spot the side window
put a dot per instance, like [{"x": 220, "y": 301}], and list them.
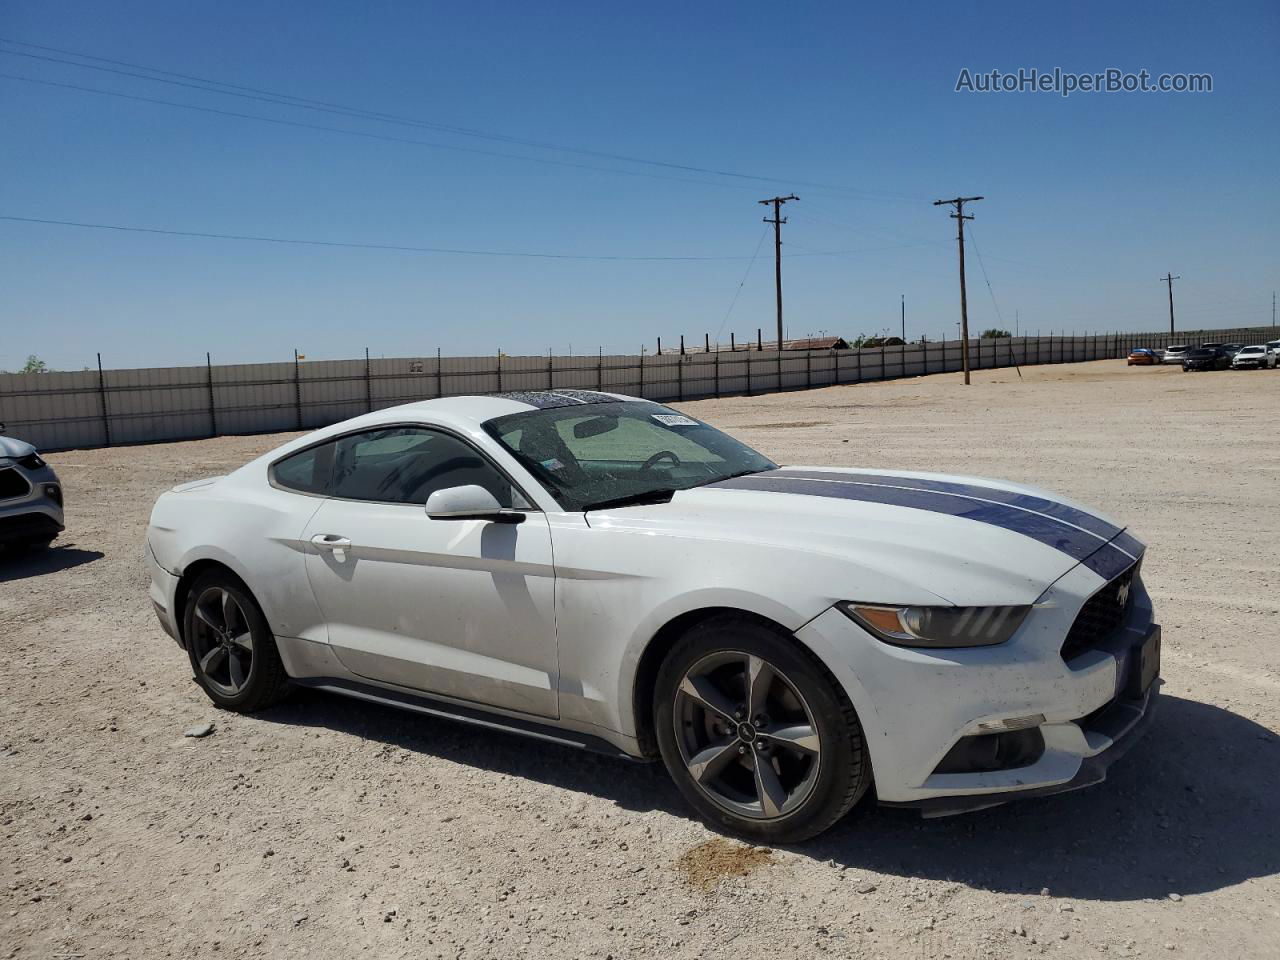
[
  {"x": 307, "y": 471},
  {"x": 408, "y": 464}
]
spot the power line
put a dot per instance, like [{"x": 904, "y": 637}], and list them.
[
  {"x": 824, "y": 218},
  {"x": 356, "y": 133},
  {"x": 352, "y": 245},
  {"x": 974, "y": 240},
  {"x": 736, "y": 293},
  {"x": 285, "y": 99},
  {"x": 999, "y": 318},
  {"x": 861, "y": 250}
]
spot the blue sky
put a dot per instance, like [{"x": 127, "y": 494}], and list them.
[{"x": 1089, "y": 199}]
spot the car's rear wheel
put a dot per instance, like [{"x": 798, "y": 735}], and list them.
[
  {"x": 232, "y": 650},
  {"x": 757, "y": 735}
]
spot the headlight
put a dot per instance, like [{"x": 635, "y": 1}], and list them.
[{"x": 937, "y": 626}]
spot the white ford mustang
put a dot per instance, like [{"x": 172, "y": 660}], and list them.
[{"x": 606, "y": 572}]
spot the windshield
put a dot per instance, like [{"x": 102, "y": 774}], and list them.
[{"x": 592, "y": 455}]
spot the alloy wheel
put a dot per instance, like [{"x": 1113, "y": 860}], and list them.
[
  {"x": 746, "y": 735},
  {"x": 221, "y": 641}
]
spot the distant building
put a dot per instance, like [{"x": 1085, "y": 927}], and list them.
[{"x": 814, "y": 343}]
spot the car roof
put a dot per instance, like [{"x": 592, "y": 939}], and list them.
[
  {"x": 486, "y": 407},
  {"x": 473, "y": 410},
  {"x": 465, "y": 413}
]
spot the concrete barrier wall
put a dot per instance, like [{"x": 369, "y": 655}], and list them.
[{"x": 96, "y": 408}]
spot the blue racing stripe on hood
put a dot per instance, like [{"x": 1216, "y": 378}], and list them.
[
  {"x": 1109, "y": 562},
  {"x": 1050, "y": 508},
  {"x": 1081, "y": 545}
]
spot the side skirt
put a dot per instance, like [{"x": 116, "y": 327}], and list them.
[{"x": 419, "y": 703}]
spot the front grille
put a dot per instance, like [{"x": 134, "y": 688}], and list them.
[
  {"x": 1100, "y": 616},
  {"x": 13, "y": 484}
]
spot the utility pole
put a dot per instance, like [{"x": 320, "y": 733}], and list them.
[
  {"x": 777, "y": 221},
  {"x": 904, "y": 318},
  {"x": 1169, "y": 278},
  {"x": 959, "y": 217}
]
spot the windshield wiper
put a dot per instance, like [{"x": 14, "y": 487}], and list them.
[{"x": 632, "y": 499}]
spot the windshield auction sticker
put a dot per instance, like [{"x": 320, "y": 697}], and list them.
[{"x": 674, "y": 420}]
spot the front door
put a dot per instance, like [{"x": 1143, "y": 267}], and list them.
[{"x": 459, "y": 608}]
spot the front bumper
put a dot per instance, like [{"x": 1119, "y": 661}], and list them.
[
  {"x": 164, "y": 595},
  {"x": 1133, "y": 717},
  {"x": 37, "y": 514},
  {"x": 915, "y": 705}
]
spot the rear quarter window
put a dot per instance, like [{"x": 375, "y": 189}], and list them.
[{"x": 305, "y": 472}]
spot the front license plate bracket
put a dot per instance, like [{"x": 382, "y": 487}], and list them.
[{"x": 1145, "y": 665}]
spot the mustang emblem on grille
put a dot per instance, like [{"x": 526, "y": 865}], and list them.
[{"x": 1122, "y": 595}]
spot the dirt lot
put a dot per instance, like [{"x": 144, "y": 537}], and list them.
[{"x": 329, "y": 828}]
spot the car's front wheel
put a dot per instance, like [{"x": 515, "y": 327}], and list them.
[
  {"x": 757, "y": 735},
  {"x": 232, "y": 650}
]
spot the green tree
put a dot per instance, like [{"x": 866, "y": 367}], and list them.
[
  {"x": 35, "y": 365},
  {"x": 994, "y": 334}
]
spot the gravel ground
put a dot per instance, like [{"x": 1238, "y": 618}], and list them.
[{"x": 327, "y": 827}]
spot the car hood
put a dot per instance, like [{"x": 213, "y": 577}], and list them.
[
  {"x": 13, "y": 449},
  {"x": 964, "y": 539}
]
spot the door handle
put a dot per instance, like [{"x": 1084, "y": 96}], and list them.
[{"x": 338, "y": 546}]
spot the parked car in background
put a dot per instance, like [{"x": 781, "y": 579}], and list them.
[
  {"x": 1257, "y": 357},
  {"x": 30, "y": 497},
  {"x": 1212, "y": 346},
  {"x": 1274, "y": 347},
  {"x": 1143, "y": 357},
  {"x": 1175, "y": 352},
  {"x": 1206, "y": 358},
  {"x": 602, "y": 571},
  {"x": 1232, "y": 348}
]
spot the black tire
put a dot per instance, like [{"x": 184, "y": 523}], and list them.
[
  {"x": 830, "y": 781},
  {"x": 265, "y": 682}
]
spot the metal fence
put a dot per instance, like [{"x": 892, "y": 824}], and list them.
[{"x": 103, "y": 407}]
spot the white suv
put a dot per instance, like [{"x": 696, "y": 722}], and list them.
[{"x": 1259, "y": 357}]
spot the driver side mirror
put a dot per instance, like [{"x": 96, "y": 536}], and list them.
[{"x": 470, "y": 502}]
